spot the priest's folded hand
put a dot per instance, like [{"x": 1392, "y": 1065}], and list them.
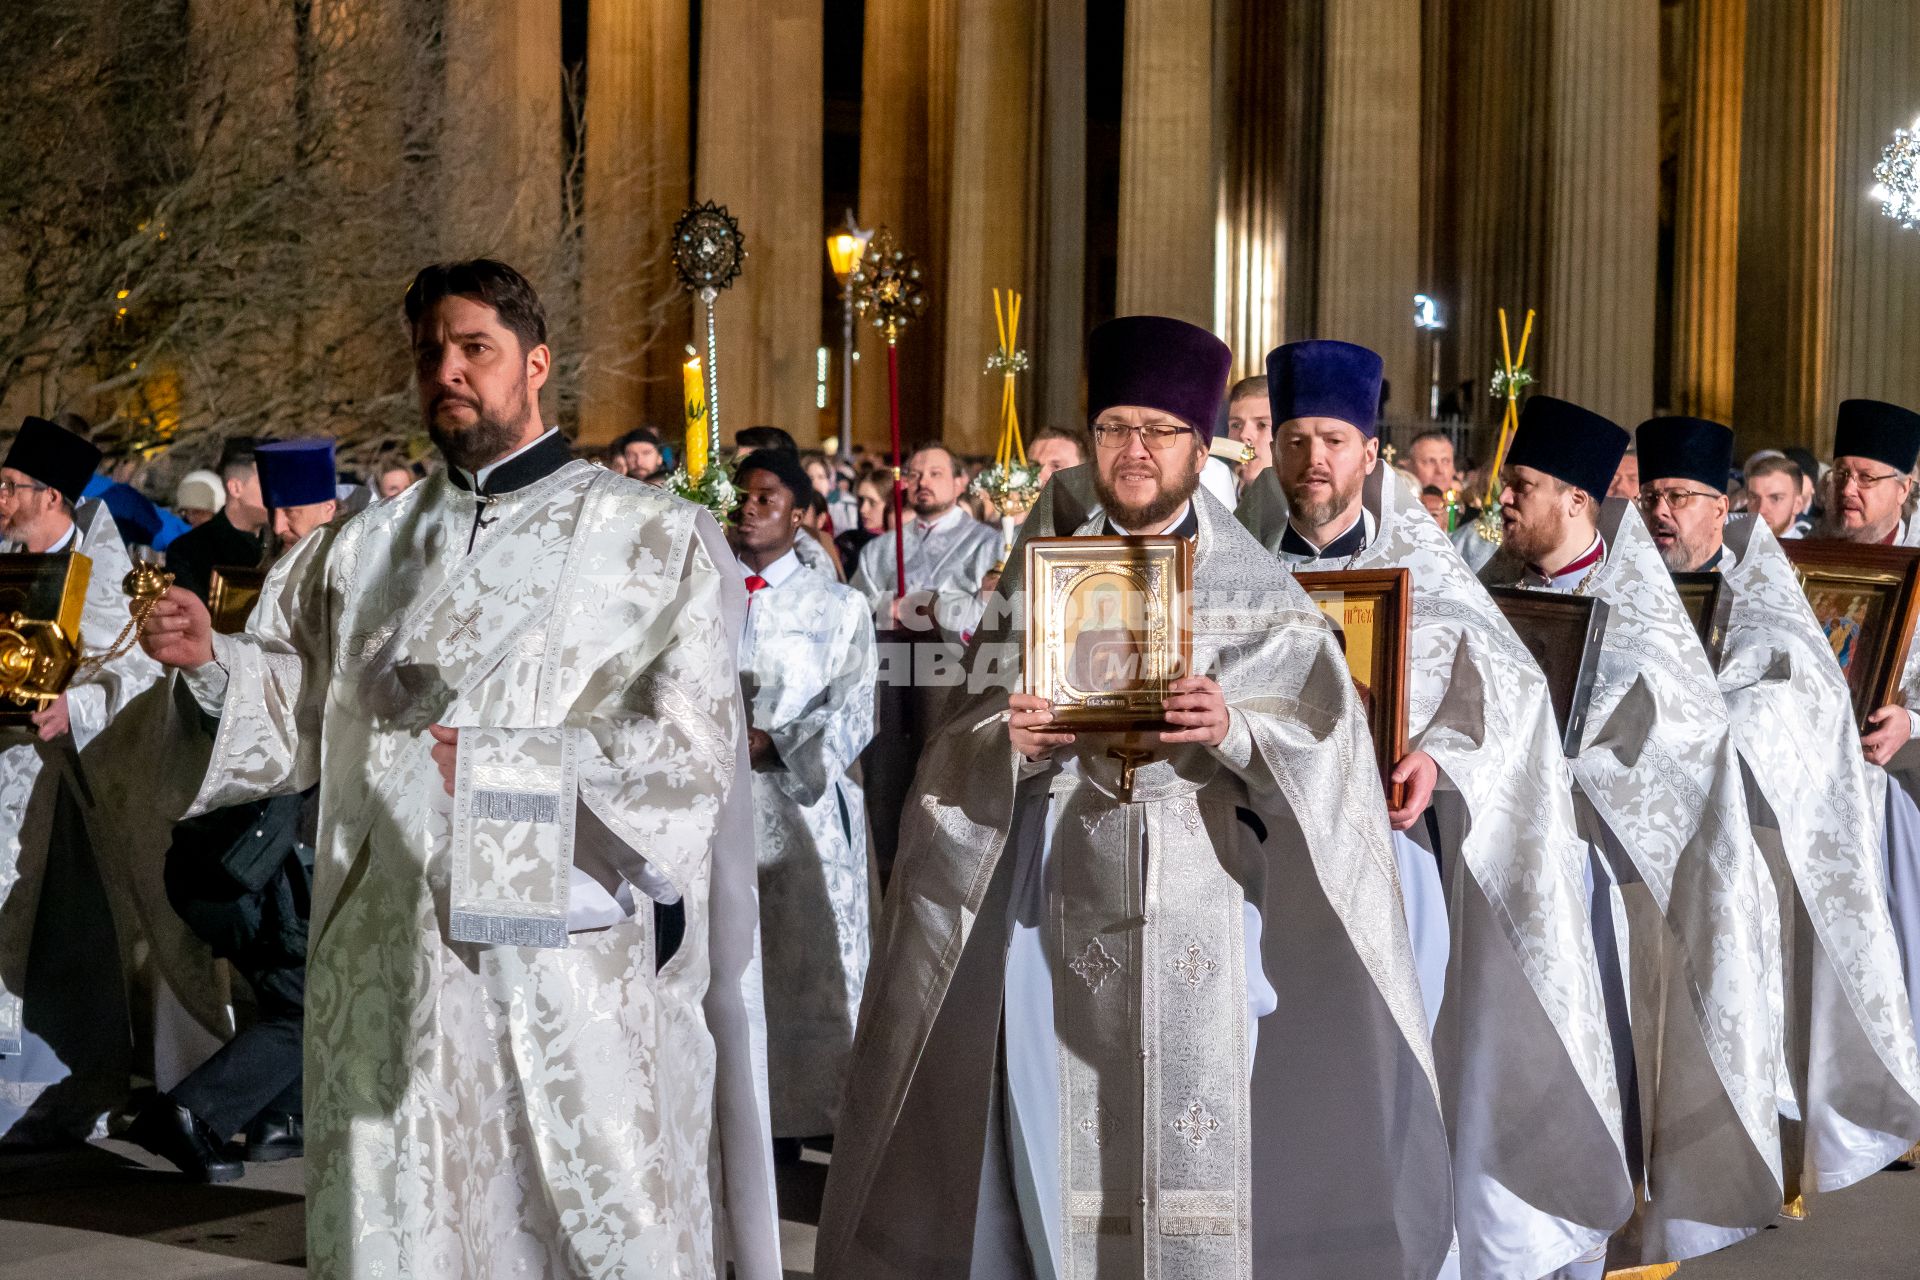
[
  {"x": 1419, "y": 773},
  {"x": 1890, "y": 731},
  {"x": 51, "y": 721},
  {"x": 179, "y": 631},
  {"x": 1027, "y": 716},
  {"x": 1198, "y": 709},
  {"x": 446, "y": 752}
]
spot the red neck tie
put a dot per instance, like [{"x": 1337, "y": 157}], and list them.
[{"x": 755, "y": 582}]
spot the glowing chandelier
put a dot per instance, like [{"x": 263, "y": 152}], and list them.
[{"x": 1897, "y": 177}]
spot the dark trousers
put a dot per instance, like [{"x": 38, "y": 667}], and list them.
[{"x": 259, "y": 1069}]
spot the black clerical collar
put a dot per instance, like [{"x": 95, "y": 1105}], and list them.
[
  {"x": 1350, "y": 543},
  {"x": 1187, "y": 528},
  {"x": 536, "y": 461}
]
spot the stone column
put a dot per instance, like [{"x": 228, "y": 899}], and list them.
[
  {"x": 760, "y": 129},
  {"x": 1707, "y": 217},
  {"x": 1439, "y": 252},
  {"x": 1058, "y": 323},
  {"x": 903, "y": 186},
  {"x": 1168, "y": 193},
  {"x": 501, "y": 143},
  {"x": 988, "y": 225},
  {"x": 1603, "y": 215},
  {"x": 1254, "y": 186},
  {"x": 633, "y": 312},
  {"x": 1786, "y": 221},
  {"x": 1876, "y": 300},
  {"x": 1370, "y": 186},
  {"x": 1500, "y": 185}
]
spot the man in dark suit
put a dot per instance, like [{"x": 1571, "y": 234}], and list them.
[
  {"x": 236, "y": 535},
  {"x": 240, "y": 877}
]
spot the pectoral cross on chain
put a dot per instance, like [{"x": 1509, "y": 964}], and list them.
[{"x": 1130, "y": 758}]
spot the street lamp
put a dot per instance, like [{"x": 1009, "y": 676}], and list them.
[
  {"x": 844, "y": 248},
  {"x": 1426, "y": 317}
]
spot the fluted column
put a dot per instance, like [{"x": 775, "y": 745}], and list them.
[
  {"x": 1439, "y": 251},
  {"x": 1058, "y": 323},
  {"x": 1706, "y": 249},
  {"x": 903, "y": 186},
  {"x": 632, "y": 310},
  {"x": 1786, "y": 220},
  {"x": 1603, "y": 214},
  {"x": 1876, "y": 307},
  {"x": 1500, "y": 188},
  {"x": 1370, "y": 181},
  {"x": 1168, "y": 196},
  {"x": 760, "y": 130},
  {"x": 1253, "y": 186},
  {"x": 988, "y": 225},
  {"x": 501, "y": 143}
]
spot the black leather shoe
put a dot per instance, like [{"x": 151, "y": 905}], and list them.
[
  {"x": 176, "y": 1135},
  {"x": 275, "y": 1135}
]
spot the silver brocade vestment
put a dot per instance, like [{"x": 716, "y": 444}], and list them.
[
  {"x": 1331, "y": 1161},
  {"x": 1701, "y": 962},
  {"x": 1851, "y": 1058},
  {"x": 950, "y": 562},
  {"x": 808, "y": 663},
  {"x": 1521, "y": 1045},
  {"x": 485, "y": 1110},
  {"x": 103, "y": 766}
]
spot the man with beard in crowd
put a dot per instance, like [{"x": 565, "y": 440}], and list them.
[
  {"x": 1875, "y": 445},
  {"x": 1061, "y": 1068},
  {"x": 1683, "y": 917},
  {"x": 1489, "y": 853},
  {"x": 519, "y": 1067},
  {"x": 949, "y": 553},
  {"x": 1851, "y": 1096},
  {"x": 948, "y": 557}
]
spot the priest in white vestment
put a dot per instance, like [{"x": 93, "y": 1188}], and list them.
[
  {"x": 948, "y": 552},
  {"x": 1852, "y": 1096},
  {"x": 807, "y": 667},
  {"x": 1490, "y": 855},
  {"x": 1875, "y": 447},
  {"x": 71, "y": 924},
  {"x": 1684, "y": 917},
  {"x": 515, "y": 685},
  {"x": 1151, "y": 1013}
]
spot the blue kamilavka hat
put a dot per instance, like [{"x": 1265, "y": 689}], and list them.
[
  {"x": 1325, "y": 379},
  {"x": 295, "y": 473}
]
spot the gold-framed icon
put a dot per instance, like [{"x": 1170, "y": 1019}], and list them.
[
  {"x": 1865, "y": 598},
  {"x": 1371, "y": 610},
  {"x": 1109, "y": 628}
]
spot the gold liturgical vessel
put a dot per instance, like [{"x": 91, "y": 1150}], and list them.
[{"x": 41, "y": 600}]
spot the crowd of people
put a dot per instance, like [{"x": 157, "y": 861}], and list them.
[{"x": 545, "y": 859}]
